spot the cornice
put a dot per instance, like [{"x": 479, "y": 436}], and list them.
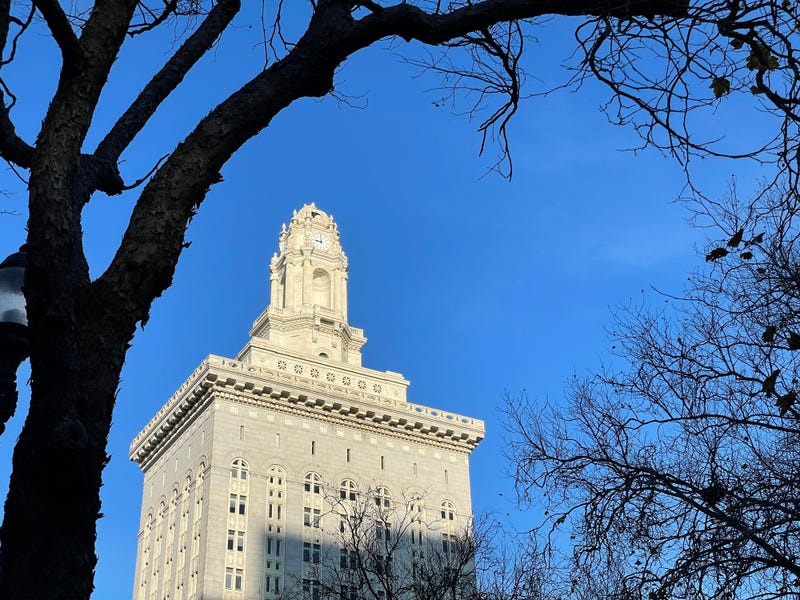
[
  {"x": 286, "y": 322},
  {"x": 241, "y": 382}
]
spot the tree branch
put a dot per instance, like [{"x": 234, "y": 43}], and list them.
[
  {"x": 61, "y": 28},
  {"x": 413, "y": 23},
  {"x": 12, "y": 147},
  {"x": 166, "y": 80},
  {"x": 145, "y": 262}
]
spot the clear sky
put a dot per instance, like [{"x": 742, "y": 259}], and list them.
[{"x": 468, "y": 285}]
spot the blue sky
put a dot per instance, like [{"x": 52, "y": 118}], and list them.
[{"x": 469, "y": 285}]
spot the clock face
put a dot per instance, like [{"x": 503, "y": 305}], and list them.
[{"x": 320, "y": 241}]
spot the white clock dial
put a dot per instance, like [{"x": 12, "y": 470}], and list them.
[{"x": 320, "y": 241}]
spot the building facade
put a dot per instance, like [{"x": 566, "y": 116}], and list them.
[{"x": 291, "y": 470}]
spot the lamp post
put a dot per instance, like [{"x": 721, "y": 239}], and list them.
[{"x": 13, "y": 331}]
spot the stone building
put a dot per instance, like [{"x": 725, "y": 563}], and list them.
[{"x": 252, "y": 466}]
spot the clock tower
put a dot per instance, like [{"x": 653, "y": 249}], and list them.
[
  {"x": 255, "y": 469},
  {"x": 308, "y": 297}
]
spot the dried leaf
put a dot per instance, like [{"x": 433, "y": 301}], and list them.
[{"x": 716, "y": 254}]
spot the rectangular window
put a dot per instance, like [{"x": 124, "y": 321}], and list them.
[
  {"x": 414, "y": 468},
  {"x": 383, "y": 565},
  {"x": 311, "y": 552},
  {"x": 351, "y": 527},
  {"x": 382, "y": 532},
  {"x": 229, "y": 578},
  {"x": 348, "y": 592},
  {"x": 231, "y": 535},
  {"x": 240, "y": 541},
  {"x": 241, "y": 432},
  {"x": 237, "y": 502},
  {"x": 273, "y": 546},
  {"x": 446, "y": 478},
  {"x": 238, "y": 579},
  {"x": 310, "y": 589},
  {"x": 311, "y": 517},
  {"x": 348, "y": 559},
  {"x": 347, "y": 455},
  {"x": 277, "y": 440},
  {"x": 448, "y": 544},
  {"x": 383, "y": 463},
  {"x": 272, "y": 584},
  {"x": 313, "y": 447}
]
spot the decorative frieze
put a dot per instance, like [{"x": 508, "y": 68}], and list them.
[{"x": 286, "y": 388}]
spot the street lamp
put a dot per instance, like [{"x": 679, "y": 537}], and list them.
[{"x": 13, "y": 331}]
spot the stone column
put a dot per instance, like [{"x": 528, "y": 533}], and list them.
[
  {"x": 289, "y": 284},
  {"x": 343, "y": 287},
  {"x": 308, "y": 296},
  {"x": 273, "y": 290}
]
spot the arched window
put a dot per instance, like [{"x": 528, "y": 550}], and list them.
[
  {"x": 276, "y": 492},
  {"x": 416, "y": 509},
  {"x": 276, "y": 475},
  {"x": 201, "y": 474},
  {"x": 187, "y": 487},
  {"x": 239, "y": 469},
  {"x": 348, "y": 490},
  {"x": 312, "y": 483},
  {"x": 383, "y": 498},
  {"x": 448, "y": 511},
  {"x": 173, "y": 511}
]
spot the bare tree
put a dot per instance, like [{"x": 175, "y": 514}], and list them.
[
  {"x": 664, "y": 60},
  {"x": 378, "y": 547},
  {"x": 680, "y": 475}
]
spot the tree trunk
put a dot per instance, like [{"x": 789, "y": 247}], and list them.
[
  {"x": 53, "y": 503},
  {"x": 78, "y": 345}
]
